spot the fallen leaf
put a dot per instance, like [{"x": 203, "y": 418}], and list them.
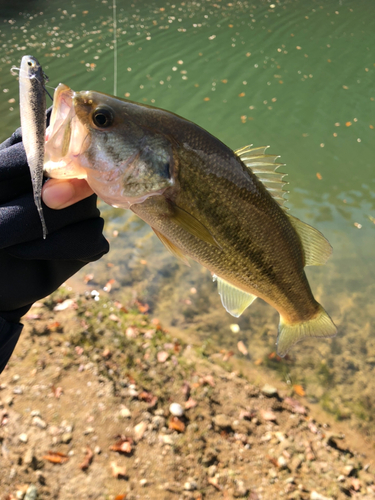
[
  {"x": 117, "y": 471},
  {"x": 124, "y": 445},
  {"x": 298, "y": 389},
  {"x": 120, "y": 497},
  {"x": 176, "y": 424},
  {"x": 57, "y": 391},
  {"x": 87, "y": 460},
  {"x": 214, "y": 481},
  {"x": 108, "y": 285},
  {"x": 148, "y": 397},
  {"x": 64, "y": 305},
  {"x": 142, "y": 308},
  {"x": 348, "y": 124},
  {"x": 296, "y": 407},
  {"x": 319, "y": 176},
  {"x": 190, "y": 403},
  {"x": 242, "y": 348},
  {"x": 55, "y": 457},
  {"x": 88, "y": 277}
]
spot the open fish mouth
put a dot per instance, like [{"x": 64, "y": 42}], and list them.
[{"x": 64, "y": 137}]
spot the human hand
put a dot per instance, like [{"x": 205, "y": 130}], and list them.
[
  {"x": 58, "y": 194},
  {"x": 30, "y": 267}
]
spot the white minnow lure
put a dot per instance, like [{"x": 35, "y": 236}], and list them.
[{"x": 33, "y": 123}]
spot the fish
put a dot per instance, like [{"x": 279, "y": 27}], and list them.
[
  {"x": 33, "y": 123},
  {"x": 222, "y": 208}
]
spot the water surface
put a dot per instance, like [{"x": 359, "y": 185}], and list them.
[{"x": 295, "y": 75}]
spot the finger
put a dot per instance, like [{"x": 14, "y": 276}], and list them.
[{"x": 58, "y": 194}]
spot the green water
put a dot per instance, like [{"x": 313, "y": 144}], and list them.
[{"x": 295, "y": 75}]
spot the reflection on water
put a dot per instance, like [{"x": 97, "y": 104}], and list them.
[{"x": 297, "y": 75}]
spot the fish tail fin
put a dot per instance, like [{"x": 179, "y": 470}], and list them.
[{"x": 321, "y": 325}]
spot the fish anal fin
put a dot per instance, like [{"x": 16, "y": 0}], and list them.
[
  {"x": 321, "y": 325},
  {"x": 264, "y": 166},
  {"x": 315, "y": 246},
  {"x": 192, "y": 225},
  {"x": 234, "y": 300},
  {"x": 172, "y": 247}
]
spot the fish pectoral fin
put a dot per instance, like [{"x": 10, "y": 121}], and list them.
[
  {"x": 315, "y": 246},
  {"x": 234, "y": 300},
  {"x": 321, "y": 325},
  {"x": 192, "y": 225},
  {"x": 264, "y": 166},
  {"x": 172, "y": 247}
]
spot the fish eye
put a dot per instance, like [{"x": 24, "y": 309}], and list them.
[
  {"x": 102, "y": 117},
  {"x": 31, "y": 63}
]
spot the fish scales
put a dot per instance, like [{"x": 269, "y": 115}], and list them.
[{"x": 202, "y": 200}]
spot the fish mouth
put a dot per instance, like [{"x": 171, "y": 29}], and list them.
[{"x": 66, "y": 137}]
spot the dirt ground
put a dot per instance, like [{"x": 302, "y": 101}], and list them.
[{"x": 85, "y": 413}]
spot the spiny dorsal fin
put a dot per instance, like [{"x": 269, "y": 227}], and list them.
[
  {"x": 264, "y": 167},
  {"x": 172, "y": 247},
  {"x": 193, "y": 225},
  {"x": 234, "y": 300},
  {"x": 315, "y": 246}
]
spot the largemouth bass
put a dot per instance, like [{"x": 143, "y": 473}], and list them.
[
  {"x": 204, "y": 201},
  {"x": 33, "y": 123}
]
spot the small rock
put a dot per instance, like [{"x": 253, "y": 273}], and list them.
[
  {"x": 240, "y": 489},
  {"x": 31, "y": 493},
  {"x": 23, "y": 438},
  {"x": 190, "y": 486},
  {"x": 157, "y": 422},
  {"x": 20, "y": 494},
  {"x": 88, "y": 430},
  {"x": 269, "y": 391},
  {"x": 66, "y": 437},
  {"x": 282, "y": 463},
  {"x": 222, "y": 421},
  {"x": 168, "y": 439},
  {"x": 139, "y": 430},
  {"x": 143, "y": 482},
  {"x": 176, "y": 410},
  {"x": 9, "y": 400},
  {"x": 314, "y": 495},
  {"x": 348, "y": 470},
  {"x": 97, "y": 450},
  {"x": 125, "y": 413},
  {"x": 38, "y": 422},
  {"x": 18, "y": 390}
]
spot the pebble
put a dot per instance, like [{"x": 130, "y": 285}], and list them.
[
  {"x": 269, "y": 391},
  {"x": 317, "y": 496},
  {"x": 125, "y": 413},
  {"x": 240, "y": 490},
  {"x": 66, "y": 437},
  {"x": 38, "y": 422},
  {"x": 176, "y": 410},
  {"x": 31, "y": 493},
  {"x": 143, "y": 482},
  {"x": 139, "y": 430},
  {"x": 190, "y": 485},
  {"x": 222, "y": 421},
  {"x": 18, "y": 390},
  {"x": 23, "y": 438}
]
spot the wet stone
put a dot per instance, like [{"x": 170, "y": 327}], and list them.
[{"x": 269, "y": 391}]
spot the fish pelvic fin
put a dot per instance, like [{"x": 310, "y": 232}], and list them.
[
  {"x": 234, "y": 300},
  {"x": 172, "y": 247},
  {"x": 315, "y": 246},
  {"x": 264, "y": 166},
  {"x": 321, "y": 325}
]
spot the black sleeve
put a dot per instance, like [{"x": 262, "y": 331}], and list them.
[{"x": 9, "y": 335}]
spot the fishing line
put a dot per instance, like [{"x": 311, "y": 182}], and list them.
[
  {"x": 115, "y": 49},
  {"x": 14, "y": 70}
]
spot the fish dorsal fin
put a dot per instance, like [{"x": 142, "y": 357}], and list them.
[
  {"x": 192, "y": 225},
  {"x": 264, "y": 167},
  {"x": 234, "y": 300},
  {"x": 315, "y": 246},
  {"x": 172, "y": 247}
]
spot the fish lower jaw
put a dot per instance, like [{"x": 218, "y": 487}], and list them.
[{"x": 62, "y": 170}]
